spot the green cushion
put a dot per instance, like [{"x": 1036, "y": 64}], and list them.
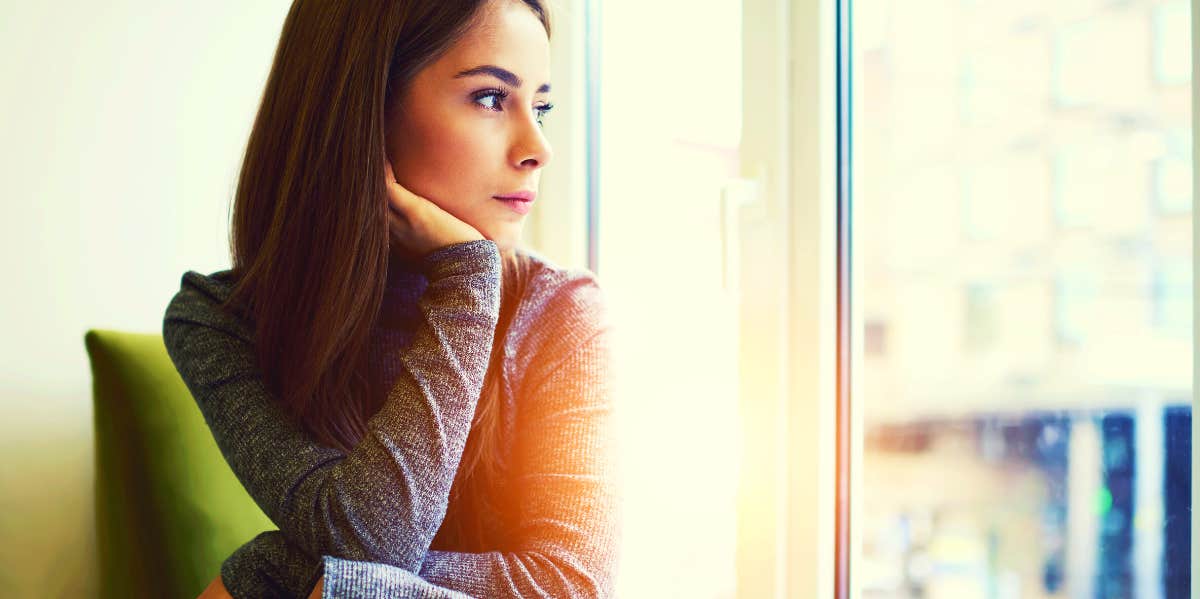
[{"x": 168, "y": 508}]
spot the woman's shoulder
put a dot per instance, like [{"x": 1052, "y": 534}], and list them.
[
  {"x": 568, "y": 296},
  {"x": 561, "y": 309},
  {"x": 200, "y": 299},
  {"x": 216, "y": 285}
]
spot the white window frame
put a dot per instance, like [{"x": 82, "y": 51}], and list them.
[
  {"x": 786, "y": 501},
  {"x": 786, "y": 260},
  {"x": 1195, "y": 281},
  {"x": 558, "y": 229},
  {"x": 789, "y": 475},
  {"x": 788, "y": 293},
  {"x": 798, "y": 40}
]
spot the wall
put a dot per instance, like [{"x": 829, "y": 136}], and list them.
[{"x": 122, "y": 125}]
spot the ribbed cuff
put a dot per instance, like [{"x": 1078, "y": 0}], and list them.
[
  {"x": 348, "y": 579},
  {"x": 479, "y": 255},
  {"x": 268, "y": 566}
]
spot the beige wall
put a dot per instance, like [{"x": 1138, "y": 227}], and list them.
[{"x": 122, "y": 123}]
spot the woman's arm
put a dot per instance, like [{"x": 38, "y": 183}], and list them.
[
  {"x": 567, "y": 525},
  {"x": 567, "y": 529},
  {"x": 385, "y": 500}
]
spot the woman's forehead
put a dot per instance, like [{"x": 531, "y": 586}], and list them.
[{"x": 509, "y": 37}]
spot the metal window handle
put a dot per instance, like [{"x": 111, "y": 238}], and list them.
[{"x": 735, "y": 193}]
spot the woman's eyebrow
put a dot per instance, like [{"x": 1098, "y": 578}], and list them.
[{"x": 504, "y": 75}]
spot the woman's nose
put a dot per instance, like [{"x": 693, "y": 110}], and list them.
[{"x": 532, "y": 149}]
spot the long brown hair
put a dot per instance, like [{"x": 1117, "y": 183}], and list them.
[{"x": 309, "y": 236}]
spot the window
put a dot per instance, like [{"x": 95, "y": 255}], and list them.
[
  {"x": 1172, "y": 53},
  {"x": 1172, "y": 295},
  {"x": 1173, "y": 174},
  {"x": 1026, "y": 428},
  {"x": 1074, "y": 49},
  {"x": 1074, "y": 305},
  {"x": 981, "y": 317}
]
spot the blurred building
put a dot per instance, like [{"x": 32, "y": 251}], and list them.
[{"x": 1023, "y": 233}]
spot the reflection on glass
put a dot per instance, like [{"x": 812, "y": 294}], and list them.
[{"x": 1023, "y": 233}]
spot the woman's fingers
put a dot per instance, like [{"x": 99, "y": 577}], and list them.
[
  {"x": 419, "y": 223},
  {"x": 397, "y": 194}
]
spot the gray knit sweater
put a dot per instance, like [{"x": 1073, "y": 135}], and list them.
[{"x": 368, "y": 520}]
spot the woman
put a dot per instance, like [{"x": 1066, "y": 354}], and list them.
[{"x": 421, "y": 407}]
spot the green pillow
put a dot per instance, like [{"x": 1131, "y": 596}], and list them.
[{"x": 168, "y": 508}]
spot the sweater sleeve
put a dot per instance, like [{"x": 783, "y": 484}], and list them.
[
  {"x": 567, "y": 529},
  {"x": 385, "y": 500}
]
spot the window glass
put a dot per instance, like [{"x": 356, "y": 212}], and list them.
[{"x": 1022, "y": 234}]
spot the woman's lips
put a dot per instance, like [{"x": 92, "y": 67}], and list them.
[
  {"x": 516, "y": 204},
  {"x": 520, "y": 194}
]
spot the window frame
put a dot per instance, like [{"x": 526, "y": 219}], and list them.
[
  {"x": 789, "y": 543},
  {"x": 822, "y": 344},
  {"x": 563, "y": 228},
  {"x": 1195, "y": 592},
  {"x": 789, "y": 504}
]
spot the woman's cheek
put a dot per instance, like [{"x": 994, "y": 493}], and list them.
[{"x": 469, "y": 163}]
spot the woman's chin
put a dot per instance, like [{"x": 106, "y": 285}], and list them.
[{"x": 506, "y": 237}]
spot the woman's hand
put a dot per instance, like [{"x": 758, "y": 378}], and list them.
[
  {"x": 419, "y": 225},
  {"x": 216, "y": 590}
]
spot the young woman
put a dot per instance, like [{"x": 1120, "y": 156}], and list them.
[{"x": 422, "y": 407}]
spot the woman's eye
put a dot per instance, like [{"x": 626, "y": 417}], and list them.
[
  {"x": 542, "y": 111},
  {"x": 495, "y": 96},
  {"x": 492, "y": 100}
]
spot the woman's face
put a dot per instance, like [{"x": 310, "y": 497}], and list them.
[{"x": 460, "y": 143}]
